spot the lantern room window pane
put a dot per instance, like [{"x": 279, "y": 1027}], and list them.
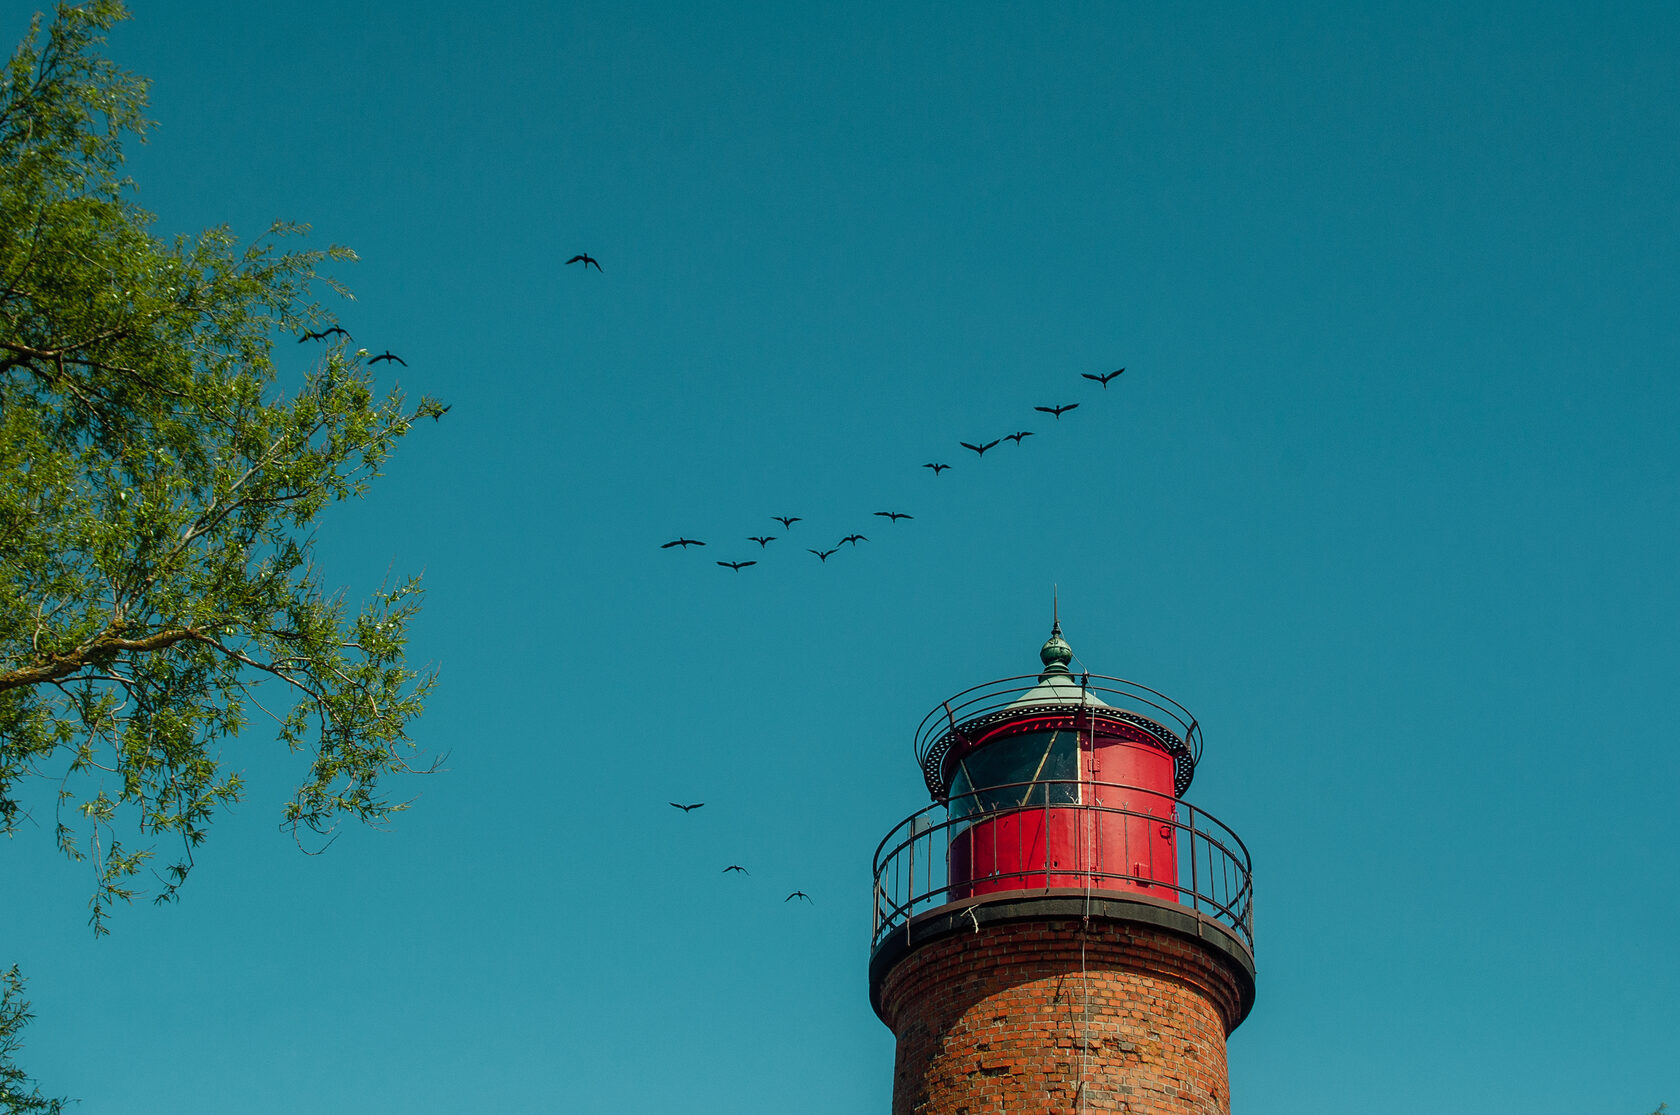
[{"x": 990, "y": 779}]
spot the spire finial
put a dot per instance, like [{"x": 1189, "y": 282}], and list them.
[{"x": 1055, "y": 653}]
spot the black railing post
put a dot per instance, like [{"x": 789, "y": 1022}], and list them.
[{"x": 1195, "y": 888}]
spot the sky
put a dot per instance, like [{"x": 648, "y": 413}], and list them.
[{"x": 1386, "y": 496}]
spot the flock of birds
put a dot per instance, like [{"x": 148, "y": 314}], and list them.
[
  {"x": 736, "y": 868},
  {"x": 339, "y": 330},
  {"x": 978, "y": 448}
]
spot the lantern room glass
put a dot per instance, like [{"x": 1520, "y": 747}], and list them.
[{"x": 1016, "y": 771}]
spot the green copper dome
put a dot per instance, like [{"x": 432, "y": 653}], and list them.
[
  {"x": 1056, "y": 685},
  {"x": 1055, "y": 653}
]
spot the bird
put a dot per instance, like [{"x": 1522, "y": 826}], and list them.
[
  {"x": 311, "y": 335},
  {"x": 736, "y": 867},
  {"x": 895, "y": 516},
  {"x": 854, "y": 539},
  {"x": 737, "y": 565},
  {"x": 937, "y": 468},
  {"x": 586, "y": 259},
  {"x": 687, "y": 808},
  {"x": 685, "y": 543},
  {"x": 1058, "y": 411},
  {"x": 798, "y": 894},
  {"x": 824, "y": 554},
  {"x": 763, "y": 540},
  {"x": 1103, "y": 379},
  {"x": 1017, "y": 436},
  {"x": 437, "y": 415},
  {"x": 980, "y": 449},
  {"x": 787, "y": 522},
  {"x": 388, "y": 355}
]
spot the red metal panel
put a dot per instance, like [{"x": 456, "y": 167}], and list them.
[{"x": 1137, "y": 777}]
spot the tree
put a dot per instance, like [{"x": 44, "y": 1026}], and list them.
[
  {"x": 158, "y": 492},
  {"x": 18, "y": 1094}
]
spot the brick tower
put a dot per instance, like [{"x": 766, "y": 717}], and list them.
[{"x": 1060, "y": 931}]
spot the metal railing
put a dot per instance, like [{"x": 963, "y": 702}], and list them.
[
  {"x": 1088, "y": 698},
  {"x": 1154, "y": 845}
]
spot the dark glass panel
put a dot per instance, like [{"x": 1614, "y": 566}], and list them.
[{"x": 986, "y": 779}]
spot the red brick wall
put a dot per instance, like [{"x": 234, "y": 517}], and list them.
[{"x": 999, "y": 1021}]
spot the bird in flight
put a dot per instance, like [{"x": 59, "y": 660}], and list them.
[
  {"x": 763, "y": 540},
  {"x": 980, "y": 449},
  {"x": 388, "y": 355},
  {"x": 687, "y": 808},
  {"x": 1104, "y": 378},
  {"x": 1058, "y": 411},
  {"x": 586, "y": 259},
  {"x": 311, "y": 335},
  {"x": 854, "y": 539},
  {"x": 737, "y": 565},
  {"x": 824, "y": 555},
  {"x": 1017, "y": 436},
  {"x": 736, "y": 867},
  {"x": 895, "y": 516},
  {"x": 798, "y": 894},
  {"x": 685, "y": 543},
  {"x": 787, "y": 522},
  {"x": 937, "y": 468}
]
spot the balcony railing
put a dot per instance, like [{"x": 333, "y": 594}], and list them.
[
  {"x": 1088, "y": 699},
  {"x": 971, "y": 850}
]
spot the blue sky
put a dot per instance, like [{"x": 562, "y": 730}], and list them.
[{"x": 1387, "y": 496}]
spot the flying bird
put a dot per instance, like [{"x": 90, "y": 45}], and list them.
[
  {"x": 798, "y": 894},
  {"x": 586, "y": 259},
  {"x": 980, "y": 449},
  {"x": 937, "y": 468},
  {"x": 895, "y": 516},
  {"x": 787, "y": 522},
  {"x": 1017, "y": 436},
  {"x": 763, "y": 540},
  {"x": 736, "y": 867},
  {"x": 1103, "y": 379},
  {"x": 687, "y": 808},
  {"x": 388, "y": 355},
  {"x": 1058, "y": 411},
  {"x": 824, "y": 555},
  {"x": 311, "y": 335},
  {"x": 854, "y": 539},
  {"x": 737, "y": 565},
  {"x": 685, "y": 543}
]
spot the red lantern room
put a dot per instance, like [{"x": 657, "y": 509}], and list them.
[
  {"x": 1058, "y": 844},
  {"x": 1056, "y": 787}
]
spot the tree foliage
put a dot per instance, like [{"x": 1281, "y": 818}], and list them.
[
  {"x": 18, "y": 1094},
  {"x": 158, "y": 491}
]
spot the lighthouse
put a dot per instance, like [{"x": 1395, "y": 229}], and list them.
[{"x": 1060, "y": 930}]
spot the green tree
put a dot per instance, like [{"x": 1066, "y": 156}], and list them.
[
  {"x": 158, "y": 493},
  {"x": 18, "y": 1094}
]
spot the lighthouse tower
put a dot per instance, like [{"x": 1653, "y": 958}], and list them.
[{"x": 1060, "y": 931}]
